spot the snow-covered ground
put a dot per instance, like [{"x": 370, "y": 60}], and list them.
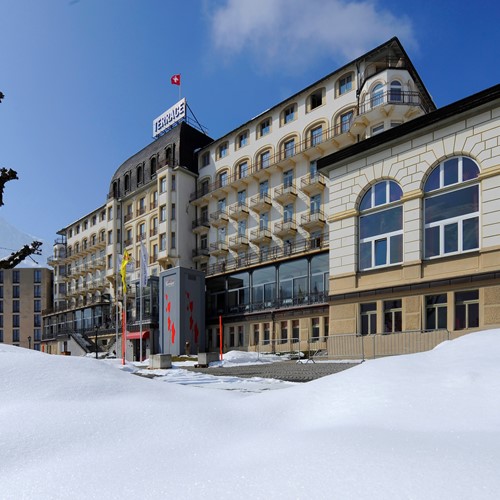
[{"x": 422, "y": 426}]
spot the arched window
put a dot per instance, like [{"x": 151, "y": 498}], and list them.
[
  {"x": 381, "y": 226},
  {"x": 377, "y": 95},
  {"x": 168, "y": 156},
  {"x": 395, "y": 92},
  {"x": 152, "y": 165},
  {"x": 451, "y": 208},
  {"x": 127, "y": 182},
  {"x": 223, "y": 179},
  {"x": 139, "y": 174}
]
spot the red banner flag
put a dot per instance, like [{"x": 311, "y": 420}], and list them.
[{"x": 175, "y": 80}]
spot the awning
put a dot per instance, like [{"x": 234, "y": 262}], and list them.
[{"x": 137, "y": 335}]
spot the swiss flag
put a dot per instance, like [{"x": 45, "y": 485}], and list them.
[{"x": 175, "y": 80}]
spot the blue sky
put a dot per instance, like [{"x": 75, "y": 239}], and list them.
[{"x": 84, "y": 79}]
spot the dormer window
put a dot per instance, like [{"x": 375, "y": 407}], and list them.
[
  {"x": 345, "y": 84},
  {"x": 264, "y": 127},
  {"x": 242, "y": 139},
  {"x": 222, "y": 150},
  {"x": 316, "y": 99},
  {"x": 289, "y": 114},
  {"x": 205, "y": 159}
]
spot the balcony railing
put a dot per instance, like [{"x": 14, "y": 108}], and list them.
[
  {"x": 269, "y": 254},
  {"x": 200, "y": 222},
  {"x": 392, "y": 96}
]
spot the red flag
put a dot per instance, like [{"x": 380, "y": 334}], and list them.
[{"x": 175, "y": 80}]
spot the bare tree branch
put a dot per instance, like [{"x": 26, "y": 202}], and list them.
[{"x": 16, "y": 258}]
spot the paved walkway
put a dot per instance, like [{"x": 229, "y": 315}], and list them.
[{"x": 290, "y": 371}]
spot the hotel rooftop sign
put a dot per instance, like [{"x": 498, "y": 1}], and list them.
[{"x": 169, "y": 118}]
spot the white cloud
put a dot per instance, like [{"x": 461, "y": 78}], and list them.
[{"x": 291, "y": 32}]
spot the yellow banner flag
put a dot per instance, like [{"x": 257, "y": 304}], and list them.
[{"x": 123, "y": 270}]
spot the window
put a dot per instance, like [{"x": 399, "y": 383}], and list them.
[
  {"x": 15, "y": 335},
  {"x": 395, "y": 94},
  {"x": 127, "y": 182},
  {"x": 267, "y": 333},
  {"x": 172, "y": 240},
  {"x": 436, "y": 312},
  {"x": 37, "y": 276},
  {"x": 381, "y": 226},
  {"x": 264, "y": 221},
  {"x": 37, "y": 320},
  {"x": 110, "y": 237},
  {"x": 174, "y": 183},
  {"x": 163, "y": 213},
  {"x": 242, "y": 227},
  {"x": 288, "y": 213},
  {"x": 316, "y": 99},
  {"x": 295, "y": 330},
  {"x": 15, "y": 306},
  {"x": 263, "y": 188},
  {"x": 288, "y": 178},
  {"x": 163, "y": 184},
  {"x": 315, "y": 204},
  {"x": 223, "y": 179},
  {"x": 203, "y": 241},
  {"x": 1, "y": 335},
  {"x": 289, "y": 148},
  {"x": 265, "y": 159},
  {"x": 139, "y": 173},
  {"x": 243, "y": 170},
  {"x": 205, "y": 159},
  {"x": 172, "y": 212},
  {"x": 163, "y": 242},
  {"x": 264, "y": 127},
  {"x": 345, "y": 84},
  {"x": 466, "y": 309},
  {"x": 376, "y": 129},
  {"x": 15, "y": 321},
  {"x": 128, "y": 238},
  {"x": 393, "y": 316},
  {"x": 316, "y": 136},
  {"x": 15, "y": 291},
  {"x": 451, "y": 208},
  {"x": 289, "y": 114},
  {"x": 37, "y": 334},
  {"x": 242, "y": 139},
  {"x": 345, "y": 122},
  {"x": 242, "y": 197},
  {"x": 222, "y": 150},
  {"x": 284, "y": 332},
  {"x": 377, "y": 95},
  {"x": 368, "y": 318},
  {"x": 152, "y": 165},
  {"x": 315, "y": 329},
  {"x": 256, "y": 334},
  {"x": 241, "y": 333},
  {"x": 293, "y": 282},
  {"x": 15, "y": 276}
]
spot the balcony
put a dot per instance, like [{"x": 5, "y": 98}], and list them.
[
  {"x": 260, "y": 236},
  {"x": 201, "y": 255},
  {"x": 384, "y": 104},
  {"x": 128, "y": 217},
  {"x": 153, "y": 259},
  {"x": 153, "y": 231},
  {"x": 260, "y": 202},
  {"x": 141, "y": 211},
  {"x": 238, "y": 211},
  {"x": 219, "y": 218},
  {"x": 140, "y": 237},
  {"x": 285, "y": 194},
  {"x": 313, "y": 183},
  {"x": 201, "y": 224},
  {"x": 238, "y": 242},
  {"x": 128, "y": 242},
  {"x": 313, "y": 221},
  {"x": 285, "y": 228},
  {"x": 218, "y": 248}
]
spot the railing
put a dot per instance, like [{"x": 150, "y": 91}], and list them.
[
  {"x": 200, "y": 221},
  {"x": 392, "y": 96},
  {"x": 269, "y": 254},
  {"x": 357, "y": 346}
]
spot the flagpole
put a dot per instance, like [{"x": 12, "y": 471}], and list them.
[{"x": 140, "y": 307}]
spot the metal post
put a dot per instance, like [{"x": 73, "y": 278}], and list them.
[{"x": 96, "y": 332}]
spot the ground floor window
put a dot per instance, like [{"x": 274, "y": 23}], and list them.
[
  {"x": 255, "y": 334},
  {"x": 436, "y": 312},
  {"x": 231, "y": 336},
  {"x": 241, "y": 335},
  {"x": 466, "y": 309},
  {"x": 393, "y": 316},
  {"x": 267, "y": 333},
  {"x": 284, "y": 331},
  {"x": 368, "y": 318},
  {"x": 315, "y": 329},
  {"x": 295, "y": 330}
]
